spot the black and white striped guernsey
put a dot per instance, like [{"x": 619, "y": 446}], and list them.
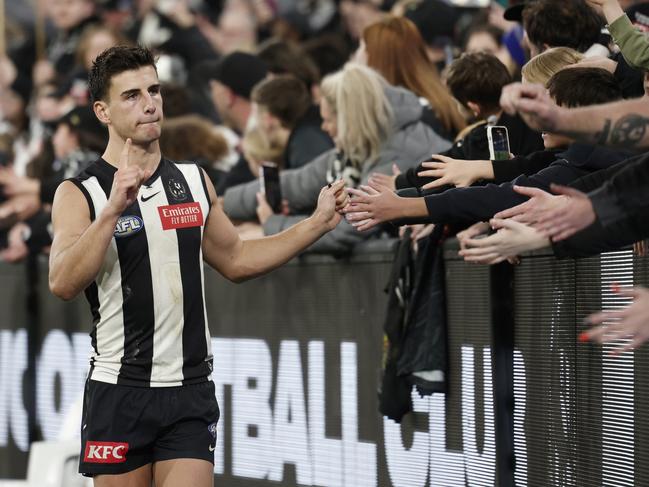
[{"x": 148, "y": 300}]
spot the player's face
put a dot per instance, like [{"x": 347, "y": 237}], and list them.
[{"x": 134, "y": 105}]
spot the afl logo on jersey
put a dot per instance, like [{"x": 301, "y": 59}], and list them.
[{"x": 128, "y": 225}]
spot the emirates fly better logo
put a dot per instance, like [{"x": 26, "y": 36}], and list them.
[
  {"x": 105, "y": 452},
  {"x": 185, "y": 215}
]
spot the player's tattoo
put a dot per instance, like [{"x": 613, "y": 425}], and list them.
[{"x": 629, "y": 130}]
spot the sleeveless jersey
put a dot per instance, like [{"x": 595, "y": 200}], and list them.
[{"x": 148, "y": 300}]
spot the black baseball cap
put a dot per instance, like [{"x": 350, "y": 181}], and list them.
[
  {"x": 435, "y": 19},
  {"x": 514, "y": 12},
  {"x": 239, "y": 71}
]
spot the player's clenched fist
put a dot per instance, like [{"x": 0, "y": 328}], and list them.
[{"x": 126, "y": 183}]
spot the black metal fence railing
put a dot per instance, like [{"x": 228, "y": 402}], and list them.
[{"x": 297, "y": 364}]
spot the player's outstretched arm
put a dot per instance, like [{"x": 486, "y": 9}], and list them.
[
  {"x": 79, "y": 245},
  {"x": 239, "y": 260}
]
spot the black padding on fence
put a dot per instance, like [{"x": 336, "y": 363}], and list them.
[{"x": 298, "y": 361}]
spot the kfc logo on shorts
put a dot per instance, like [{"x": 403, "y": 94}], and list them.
[
  {"x": 105, "y": 452},
  {"x": 185, "y": 215}
]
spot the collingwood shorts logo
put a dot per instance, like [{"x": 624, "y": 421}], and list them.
[
  {"x": 128, "y": 225},
  {"x": 105, "y": 452},
  {"x": 212, "y": 429}
]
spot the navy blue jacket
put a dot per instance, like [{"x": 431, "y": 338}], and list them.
[{"x": 479, "y": 203}]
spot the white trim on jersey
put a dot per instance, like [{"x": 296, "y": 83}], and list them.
[
  {"x": 193, "y": 176},
  {"x": 110, "y": 329},
  {"x": 167, "y": 288}
]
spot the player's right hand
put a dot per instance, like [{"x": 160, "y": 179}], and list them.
[
  {"x": 331, "y": 200},
  {"x": 126, "y": 182}
]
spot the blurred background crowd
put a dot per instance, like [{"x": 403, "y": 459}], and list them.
[{"x": 363, "y": 90}]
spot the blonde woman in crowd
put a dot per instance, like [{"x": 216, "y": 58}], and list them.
[{"x": 374, "y": 126}]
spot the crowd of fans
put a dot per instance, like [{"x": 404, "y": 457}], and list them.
[{"x": 393, "y": 97}]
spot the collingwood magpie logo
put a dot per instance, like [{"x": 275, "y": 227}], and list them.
[
  {"x": 177, "y": 190},
  {"x": 128, "y": 225},
  {"x": 212, "y": 429}
]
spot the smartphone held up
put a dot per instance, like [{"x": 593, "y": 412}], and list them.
[
  {"x": 270, "y": 185},
  {"x": 498, "y": 143}
]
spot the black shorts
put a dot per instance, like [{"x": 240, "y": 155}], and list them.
[{"x": 126, "y": 427}]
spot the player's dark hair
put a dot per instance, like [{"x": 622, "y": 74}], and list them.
[{"x": 113, "y": 61}]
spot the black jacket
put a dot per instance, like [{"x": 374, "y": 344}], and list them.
[
  {"x": 238, "y": 174},
  {"x": 510, "y": 169},
  {"x": 596, "y": 238},
  {"x": 628, "y": 78},
  {"x": 415, "y": 326},
  {"x": 626, "y": 192},
  {"x": 474, "y": 146},
  {"x": 430, "y": 118},
  {"x": 621, "y": 204},
  {"x": 479, "y": 203},
  {"x": 307, "y": 140}
]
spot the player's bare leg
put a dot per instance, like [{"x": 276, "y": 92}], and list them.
[
  {"x": 183, "y": 472},
  {"x": 140, "y": 477}
]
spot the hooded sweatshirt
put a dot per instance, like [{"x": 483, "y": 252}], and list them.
[{"x": 410, "y": 142}]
